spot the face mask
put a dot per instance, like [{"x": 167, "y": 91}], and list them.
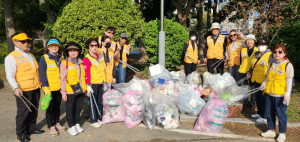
[
  {"x": 107, "y": 45},
  {"x": 193, "y": 38},
  {"x": 262, "y": 48}
]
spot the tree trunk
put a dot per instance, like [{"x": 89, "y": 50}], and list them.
[
  {"x": 215, "y": 11},
  {"x": 208, "y": 24},
  {"x": 50, "y": 19},
  {"x": 183, "y": 15},
  {"x": 142, "y": 6},
  {"x": 200, "y": 27},
  {"x": 9, "y": 23}
]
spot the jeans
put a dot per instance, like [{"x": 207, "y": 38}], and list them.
[
  {"x": 98, "y": 93},
  {"x": 275, "y": 106},
  {"x": 121, "y": 73}
]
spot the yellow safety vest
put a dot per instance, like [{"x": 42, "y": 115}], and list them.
[
  {"x": 27, "y": 75},
  {"x": 276, "y": 81},
  {"x": 97, "y": 70},
  {"x": 260, "y": 68},
  {"x": 215, "y": 50},
  {"x": 73, "y": 76},
  {"x": 236, "y": 55},
  {"x": 113, "y": 43},
  {"x": 52, "y": 72},
  {"x": 110, "y": 66},
  {"x": 192, "y": 53},
  {"x": 124, "y": 56},
  {"x": 246, "y": 60}
]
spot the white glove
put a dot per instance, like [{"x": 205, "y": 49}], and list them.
[
  {"x": 89, "y": 90},
  {"x": 286, "y": 100},
  {"x": 263, "y": 86},
  {"x": 104, "y": 87}
]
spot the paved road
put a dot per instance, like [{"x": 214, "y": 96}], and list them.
[{"x": 111, "y": 132}]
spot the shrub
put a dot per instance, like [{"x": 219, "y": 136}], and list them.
[
  {"x": 82, "y": 19},
  {"x": 176, "y": 36}
]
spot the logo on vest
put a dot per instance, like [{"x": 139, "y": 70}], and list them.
[
  {"x": 279, "y": 72},
  {"x": 95, "y": 62},
  {"x": 244, "y": 54},
  {"x": 50, "y": 66},
  {"x": 238, "y": 45},
  {"x": 70, "y": 67},
  {"x": 22, "y": 61},
  {"x": 220, "y": 40},
  {"x": 262, "y": 63}
]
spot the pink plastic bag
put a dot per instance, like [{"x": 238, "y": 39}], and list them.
[
  {"x": 212, "y": 117},
  {"x": 151, "y": 85},
  {"x": 198, "y": 91},
  {"x": 133, "y": 107},
  {"x": 112, "y": 107}
]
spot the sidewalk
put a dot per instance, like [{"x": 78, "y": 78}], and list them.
[{"x": 192, "y": 119}]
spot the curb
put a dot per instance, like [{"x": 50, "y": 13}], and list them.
[{"x": 192, "y": 119}]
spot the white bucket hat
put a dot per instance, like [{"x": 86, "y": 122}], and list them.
[
  {"x": 215, "y": 26},
  {"x": 250, "y": 36}
]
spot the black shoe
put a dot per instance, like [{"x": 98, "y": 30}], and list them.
[
  {"x": 37, "y": 132},
  {"x": 24, "y": 138}
]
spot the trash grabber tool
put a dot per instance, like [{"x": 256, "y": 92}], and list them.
[
  {"x": 92, "y": 95},
  {"x": 92, "y": 108},
  {"x": 29, "y": 102},
  {"x": 25, "y": 104}
]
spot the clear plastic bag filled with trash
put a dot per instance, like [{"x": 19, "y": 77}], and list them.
[
  {"x": 158, "y": 75},
  {"x": 194, "y": 78},
  {"x": 178, "y": 76},
  {"x": 167, "y": 116}
]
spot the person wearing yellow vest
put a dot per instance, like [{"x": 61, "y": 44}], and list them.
[
  {"x": 263, "y": 57},
  {"x": 247, "y": 55},
  {"x": 214, "y": 49},
  {"x": 110, "y": 32},
  {"x": 22, "y": 73},
  {"x": 278, "y": 88},
  {"x": 122, "y": 53},
  {"x": 191, "y": 54},
  {"x": 233, "y": 53},
  {"x": 106, "y": 54},
  {"x": 50, "y": 77},
  {"x": 95, "y": 78},
  {"x": 73, "y": 86}
]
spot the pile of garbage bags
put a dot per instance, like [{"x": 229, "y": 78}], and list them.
[{"x": 157, "y": 101}]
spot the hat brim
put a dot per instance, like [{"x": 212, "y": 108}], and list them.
[
  {"x": 54, "y": 43},
  {"x": 215, "y": 28},
  {"x": 21, "y": 38},
  {"x": 72, "y": 47}
]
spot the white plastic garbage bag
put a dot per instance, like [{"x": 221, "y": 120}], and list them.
[
  {"x": 178, "y": 76},
  {"x": 189, "y": 102},
  {"x": 167, "y": 116},
  {"x": 194, "y": 78},
  {"x": 158, "y": 75}
]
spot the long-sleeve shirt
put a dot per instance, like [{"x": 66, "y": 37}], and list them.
[
  {"x": 63, "y": 76},
  {"x": 186, "y": 45},
  {"x": 43, "y": 67},
  {"x": 215, "y": 39},
  {"x": 11, "y": 67}
]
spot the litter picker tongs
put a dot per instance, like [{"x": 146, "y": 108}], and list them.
[
  {"x": 219, "y": 63},
  {"x": 92, "y": 98},
  {"x": 135, "y": 70},
  {"x": 21, "y": 96}
]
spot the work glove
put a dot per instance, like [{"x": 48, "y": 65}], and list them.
[
  {"x": 186, "y": 55},
  {"x": 104, "y": 87},
  {"x": 286, "y": 100},
  {"x": 89, "y": 89},
  {"x": 46, "y": 91}
]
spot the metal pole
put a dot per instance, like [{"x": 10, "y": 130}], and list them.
[{"x": 161, "y": 51}]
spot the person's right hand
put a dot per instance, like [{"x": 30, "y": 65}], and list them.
[
  {"x": 262, "y": 86},
  {"x": 89, "y": 89},
  {"x": 248, "y": 75},
  {"x": 186, "y": 55},
  {"x": 65, "y": 98},
  {"x": 205, "y": 60},
  {"x": 227, "y": 57},
  {"x": 119, "y": 47},
  {"x": 18, "y": 92}
]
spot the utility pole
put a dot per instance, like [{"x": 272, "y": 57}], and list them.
[{"x": 161, "y": 51}]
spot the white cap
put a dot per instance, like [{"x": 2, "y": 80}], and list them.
[
  {"x": 215, "y": 26},
  {"x": 250, "y": 36}
]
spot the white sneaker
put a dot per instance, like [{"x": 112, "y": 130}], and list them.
[
  {"x": 100, "y": 122},
  {"x": 281, "y": 137},
  {"x": 96, "y": 125},
  {"x": 73, "y": 131},
  {"x": 261, "y": 120},
  {"x": 78, "y": 128},
  {"x": 269, "y": 134},
  {"x": 255, "y": 115}
]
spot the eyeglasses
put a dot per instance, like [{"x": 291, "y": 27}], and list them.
[
  {"x": 232, "y": 35},
  {"x": 23, "y": 41},
  {"x": 93, "y": 45},
  {"x": 280, "y": 52},
  {"x": 124, "y": 38}
]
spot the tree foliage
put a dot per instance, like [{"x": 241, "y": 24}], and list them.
[
  {"x": 81, "y": 20},
  {"x": 176, "y": 36}
]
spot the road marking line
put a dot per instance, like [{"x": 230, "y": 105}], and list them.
[{"x": 212, "y": 134}]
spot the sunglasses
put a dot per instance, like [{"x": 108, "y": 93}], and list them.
[
  {"x": 280, "y": 52},
  {"x": 232, "y": 35},
  {"x": 111, "y": 32},
  {"x": 23, "y": 41},
  {"x": 93, "y": 45},
  {"x": 124, "y": 38}
]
